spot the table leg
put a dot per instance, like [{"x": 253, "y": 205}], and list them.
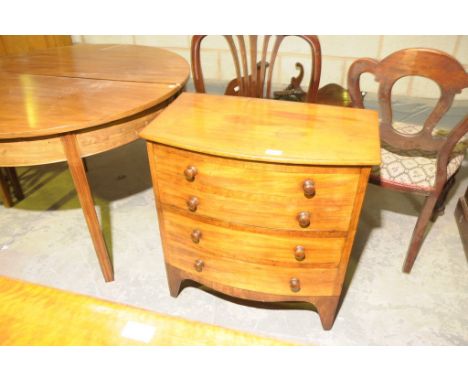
[{"x": 78, "y": 173}]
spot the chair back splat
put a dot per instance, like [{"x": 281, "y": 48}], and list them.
[
  {"x": 254, "y": 63},
  {"x": 436, "y": 65}
]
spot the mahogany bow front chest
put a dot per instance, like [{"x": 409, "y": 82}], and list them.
[{"x": 260, "y": 199}]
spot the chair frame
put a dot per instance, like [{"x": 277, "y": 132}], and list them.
[
  {"x": 451, "y": 77},
  {"x": 250, "y": 77},
  {"x": 8, "y": 176}
]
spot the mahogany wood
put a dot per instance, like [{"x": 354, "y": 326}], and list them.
[
  {"x": 247, "y": 237},
  {"x": 253, "y": 78},
  {"x": 19, "y": 44},
  {"x": 71, "y": 102},
  {"x": 22, "y": 44},
  {"x": 326, "y": 305},
  {"x": 316, "y": 134},
  {"x": 5, "y": 195},
  {"x": 271, "y": 192},
  {"x": 128, "y": 63},
  {"x": 452, "y": 78},
  {"x": 461, "y": 217},
  {"x": 257, "y": 246},
  {"x": 13, "y": 176},
  {"x": 78, "y": 173}
]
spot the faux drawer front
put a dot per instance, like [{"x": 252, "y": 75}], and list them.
[
  {"x": 252, "y": 261},
  {"x": 258, "y": 194}
]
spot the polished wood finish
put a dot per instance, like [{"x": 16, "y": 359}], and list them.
[
  {"x": 254, "y": 78},
  {"x": 19, "y": 44},
  {"x": 37, "y": 315},
  {"x": 72, "y": 102},
  {"x": 317, "y": 134},
  {"x": 78, "y": 173},
  {"x": 13, "y": 45},
  {"x": 91, "y": 141},
  {"x": 128, "y": 63},
  {"x": 257, "y": 245},
  {"x": 451, "y": 78},
  {"x": 267, "y": 199},
  {"x": 244, "y": 239},
  {"x": 54, "y": 105}
]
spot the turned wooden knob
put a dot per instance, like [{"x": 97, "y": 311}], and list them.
[
  {"x": 309, "y": 188},
  {"x": 193, "y": 203},
  {"x": 304, "y": 219},
  {"x": 299, "y": 252},
  {"x": 196, "y": 235},
  {"x": 295, "y": 284},
  {"x": 190, "y": 172},
  {"x": 199, "y": 264}
]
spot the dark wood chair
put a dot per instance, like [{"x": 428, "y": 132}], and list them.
[
  {"x": 9, "y": 186},
  {"x": 416, "y": 158},
  {"x": 461, "y": 217},
  {"x": 253, "y": 78}
]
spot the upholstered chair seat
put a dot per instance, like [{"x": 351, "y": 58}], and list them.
[{"x": 413, "y": 169}]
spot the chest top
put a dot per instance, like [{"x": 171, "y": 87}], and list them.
[{"x": 268, "y": 130}]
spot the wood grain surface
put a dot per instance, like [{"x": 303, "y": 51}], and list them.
[
  {"x": 32, "y": 106},
  {"x": 129, "y": 63},
  {"x": 268, "y": 130},
  {"x": 36, "y": 315},
  {"x": 268, "y": 247},
  {"x": 70, "y": 102},
  {"x": 234, "y": 221},
  {"x": 258, "y": 194},
  {"x": 11, "y": 44}
]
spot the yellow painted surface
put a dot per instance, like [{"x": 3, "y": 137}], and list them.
[{"x": 35, "y": 315}]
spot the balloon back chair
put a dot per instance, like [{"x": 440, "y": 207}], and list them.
[
  {"x": 415, "y": 158},
  {"x": 254, "y": 63}
]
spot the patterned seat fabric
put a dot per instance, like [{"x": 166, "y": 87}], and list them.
[{"x": 413, "y": 169}]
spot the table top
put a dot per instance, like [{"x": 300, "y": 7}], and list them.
[
  {"x": 269, "y": 130},
  {"x": 75, "y": 87},
  {"x": 36, "y": 315}
]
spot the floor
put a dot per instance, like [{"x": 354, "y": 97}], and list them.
[{"x": 44, "y": 239}]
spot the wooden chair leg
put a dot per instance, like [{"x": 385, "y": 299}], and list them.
[
  {"x": 440, "y": 205},
  {"x": 78, "y": 174},
  {"x": 326, "y": 307},
  {"x": 419, "y": 231},
  {"x": 13, "y": 176},
  {"x": 5, "y": 195}
]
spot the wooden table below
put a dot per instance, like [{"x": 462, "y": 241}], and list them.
[{"x": 67, "y": 103}]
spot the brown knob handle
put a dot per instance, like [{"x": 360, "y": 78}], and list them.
[
  {"x": 193, "y": 203},
  {"x": 295, "y": 284},
  {"x": 190, "y": 172},
  {"x": 199, "y": 264},
  {"x": 304, "y": 219},
  {"x": 309, "y": 188},
  {"x": 299, "y": 252},
  {"x": 196, "y": 235}
]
